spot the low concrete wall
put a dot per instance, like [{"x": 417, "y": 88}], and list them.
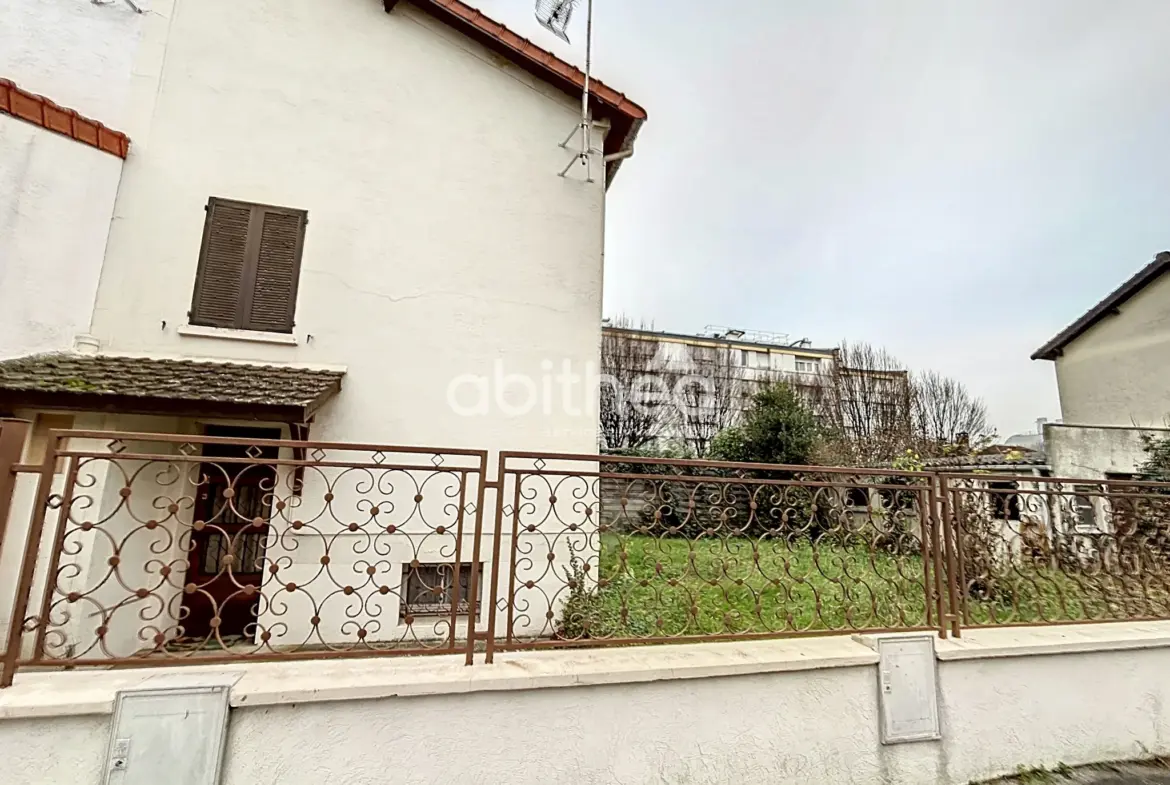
[
  {"x": 1090, "y": 451},
  {"x": 802, "y": 711}
]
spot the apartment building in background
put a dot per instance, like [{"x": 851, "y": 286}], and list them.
[
  {"x": 753, "y": 356},
  {"x": 731, "y": 365}
]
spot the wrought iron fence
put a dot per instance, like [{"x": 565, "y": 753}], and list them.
[
  {"x": 151, "y": 549},
  {"x": 147, "y": 549},
  {"x": 605, "y": 551},
  {"x": 1034, "y": 550}
]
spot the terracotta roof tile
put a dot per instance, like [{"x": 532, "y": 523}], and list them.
[
  {"x": 186, "y": 380},
  {"x": 526, "y": 48},
  {"x": 39, "y": 110},
  {"x": 1018, "y": 457}
]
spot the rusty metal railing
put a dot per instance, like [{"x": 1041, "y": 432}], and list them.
[
  {"x": 1035, "y": 550},
  {"x": 148, "y": 549},
  {"x": 124, "y": 549},
  {"x": 594, "y": 550}
]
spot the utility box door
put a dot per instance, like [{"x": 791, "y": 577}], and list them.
[
  {"x": 907, "y": 689},
  {"x": 174, "y": 736}
]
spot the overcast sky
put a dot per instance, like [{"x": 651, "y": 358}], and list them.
[{"x": 955, "y": 181}]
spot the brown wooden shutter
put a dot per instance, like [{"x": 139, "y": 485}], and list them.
[
  {"x": 249, "y": 266},
  {"x": 277, "y": 269},
  {"x": 222, "y": 260}
]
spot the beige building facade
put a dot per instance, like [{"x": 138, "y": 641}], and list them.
[{"x": 1113, "y": 375}]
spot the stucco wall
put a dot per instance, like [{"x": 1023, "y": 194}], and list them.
[
  {"x": 64, "y": 749},
  {"x": 78, "y": 54},
  {"x": 1118, "y": 373},
  {"x": 57, "y": 195},
  {"x": 1089, "y": 453},
  {"x": 797, "y": 728},
  {"x": 658, "y": 715},
  {"x": 440, "y": 238},
  {"x": 56, "y": 199},
  {"x": 1002, "y": 713}
]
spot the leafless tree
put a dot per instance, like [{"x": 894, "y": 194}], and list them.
[
  {"x": 947, "y": 416},
  {"x": 635, "y": 409},
  {"x": 864, "y": 404},
  {"x": 709, "y": 395}
]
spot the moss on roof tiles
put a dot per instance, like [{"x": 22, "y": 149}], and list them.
[{"x": 189, "y": 380}]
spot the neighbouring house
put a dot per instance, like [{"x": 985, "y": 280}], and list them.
[
  {"x": 1111, "y": 375},
  {"x": 308, "y": 221}
]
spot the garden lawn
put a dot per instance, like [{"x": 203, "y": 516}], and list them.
[
  {"x": 671, "y": 586},
  {"x": 666, "y": 587}
]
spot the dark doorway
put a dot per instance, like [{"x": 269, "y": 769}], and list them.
[{"x": 230, "y": 499}]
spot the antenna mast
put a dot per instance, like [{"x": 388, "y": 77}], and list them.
[
  {"x": 586, "y": 125},
  {"x": 555, "y": 15}
]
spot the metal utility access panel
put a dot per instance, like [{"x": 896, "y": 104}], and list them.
[
  {"x": 169, "y": 735},
  {"x": 908, "y": 689}
]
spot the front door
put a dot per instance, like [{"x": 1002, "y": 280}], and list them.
[{"x": 231, "y": 498}]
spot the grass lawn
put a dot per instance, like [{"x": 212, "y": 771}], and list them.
[
  {"x": 653, "y": 587},
  {"x": 672, "y": 586}
]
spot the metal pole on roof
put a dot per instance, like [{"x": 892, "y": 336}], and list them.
[
  {"x": 555, "y": 15},
  {"x": 586, "y": 126}
]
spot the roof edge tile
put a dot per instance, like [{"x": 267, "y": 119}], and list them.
[
  {"x": 40, "y": 111},
  {"x": 629, "y": 115},
  {"x": 1114, "y": 300}
]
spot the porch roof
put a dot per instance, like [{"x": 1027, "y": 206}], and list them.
[{"x": 143, "y": 385}]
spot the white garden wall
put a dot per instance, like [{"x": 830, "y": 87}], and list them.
[
  {"x": 800, "y": 711},
  {"x": 1091, "y": 452}
]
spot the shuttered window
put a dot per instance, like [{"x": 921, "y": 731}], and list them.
[{"x": 249, "y": 265}]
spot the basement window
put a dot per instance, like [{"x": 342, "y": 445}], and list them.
[
  {"x": 429, "y": 589},
  {"x": 1005, "y": 502}
]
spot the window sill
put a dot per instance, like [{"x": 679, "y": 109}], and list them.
[
  {"x": 251, "y": 336},
  {"x": 438, "y": 613}
]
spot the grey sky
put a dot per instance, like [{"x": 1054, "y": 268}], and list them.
[{"x": 953, "y": 180}]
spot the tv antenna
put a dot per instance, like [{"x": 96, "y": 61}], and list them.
[{"x": 555, "y": 16}]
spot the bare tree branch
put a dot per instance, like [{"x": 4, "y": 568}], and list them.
[
  {"x": 634, "y": 412},
  {"x": 709, "y": 395},
  {"x": 864, "y": 405},
  {"x": 946, "y": 416}
]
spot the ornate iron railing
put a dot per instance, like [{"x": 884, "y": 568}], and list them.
[
  {"x": 122, "y": 549},
  {"x": 151, "y": 549},
  {"x": 618, "y": 551},
  {"x": 1035, "y": 550}
]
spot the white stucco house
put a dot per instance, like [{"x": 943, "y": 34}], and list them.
[
  {"x": 297, "y": 220},
  {"x": 1112, "y": 371}
]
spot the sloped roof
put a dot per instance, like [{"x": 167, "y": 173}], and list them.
[
  {"x": 1022, "y": 457},
  {"x": 1013, "y": 458},
  {"x": 626, "y": 116},
  {"x": 1110, "y": 306},
  {"x": 38, "y": 110},
  {"x": 85, "y": 378}
]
